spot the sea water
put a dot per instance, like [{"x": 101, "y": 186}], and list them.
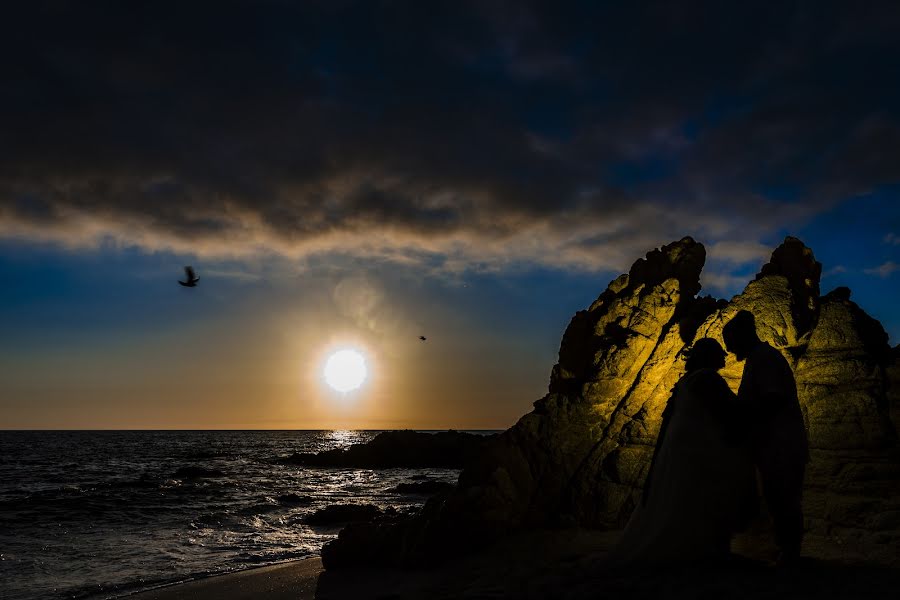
[{"x": 95, "y": 514}]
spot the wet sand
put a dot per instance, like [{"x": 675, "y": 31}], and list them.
[{"x": 294, "y": 580}]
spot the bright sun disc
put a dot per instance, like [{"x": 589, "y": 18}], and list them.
[{"x": 345, "y": 370}]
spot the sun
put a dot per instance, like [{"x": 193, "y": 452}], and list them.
[{"x": 345, "y": 370}]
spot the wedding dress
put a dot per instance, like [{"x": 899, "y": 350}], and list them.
[{"x": 702, "y": 483}]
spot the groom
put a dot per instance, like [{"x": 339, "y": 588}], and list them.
[{"x": 767, "y": 398}]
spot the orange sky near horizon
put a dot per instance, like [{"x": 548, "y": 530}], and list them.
[{"x": 263, "y": 369}]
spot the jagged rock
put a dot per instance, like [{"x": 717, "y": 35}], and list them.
[
  {"x": 796, "y": 263},
  {"x": 841, "y": 379},
  {"x": 409, "y": 449},
  {"x": 893, "y": 376},
  {"x": 581, "y": 456}
]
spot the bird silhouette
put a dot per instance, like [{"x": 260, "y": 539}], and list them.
[
  {"x": 422, "y": 337},
  {"x": 192, "y": 279}
]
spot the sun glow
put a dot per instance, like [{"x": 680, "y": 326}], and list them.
[{"x": 345, "y": 370}]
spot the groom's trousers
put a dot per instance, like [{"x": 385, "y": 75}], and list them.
[{"x": 782, "y": 483}]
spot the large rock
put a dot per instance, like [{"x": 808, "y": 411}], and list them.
[
  {"x": 581, "y": 456},
  {"x": 841, "y": 378},
  {"x": 893, "y": 374},
  {"x": 408, "y": 449}
]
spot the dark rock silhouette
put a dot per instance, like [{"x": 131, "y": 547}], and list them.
[
  {"x": 893, "y": 375},
  {"x": 581, "y": 456},
  {"x": 573, "y": 564},
  {"x": 190, "y": 278},
  {"x": 409, "y": 449}
]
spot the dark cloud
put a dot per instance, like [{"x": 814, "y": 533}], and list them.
[{"x": 478, "y": 134}]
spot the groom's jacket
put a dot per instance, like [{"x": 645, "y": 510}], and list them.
[{"x": 768, "y": 398}]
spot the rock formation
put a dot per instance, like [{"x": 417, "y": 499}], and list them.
[
  {"x": 893, "y": 395},
  {"x": 408, "y": 449},
  {"x": 580, "y": 457}
]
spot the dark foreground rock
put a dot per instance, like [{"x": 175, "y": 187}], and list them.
[
  {"x": 893, "y": 394},
  {"x": 581, "y": 456},
  {"x": 406, "y": 449},
  {"x": 573, "y": 564},
  {"x": 567, "y": 564},
  {"x": 344, "y": 513}
]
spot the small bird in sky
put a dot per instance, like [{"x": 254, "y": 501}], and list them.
[
  {"x": 422, "y": 337},
  {"x": 192, "y": 279}
]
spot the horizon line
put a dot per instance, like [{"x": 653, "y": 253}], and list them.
[{"x": 34, "y": 429}]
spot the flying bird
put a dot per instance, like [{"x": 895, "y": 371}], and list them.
[
  {"x": 192, "y": 279},
  {"x": 422, "y": 337}
]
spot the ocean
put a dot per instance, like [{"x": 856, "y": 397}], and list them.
[{"x": 102, "y": 514}]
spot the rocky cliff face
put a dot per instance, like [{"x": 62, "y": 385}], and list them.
[
  {"x": 893, "y": 393},
  {"x": 580, "y": 457}
]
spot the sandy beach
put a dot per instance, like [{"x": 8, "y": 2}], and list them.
[
  {"x": 295, "y": 580},
  {"x": 567, "y": 564}
]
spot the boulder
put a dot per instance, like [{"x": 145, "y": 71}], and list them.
[
  {"x": 893, "y": 376},
  {"x": 407, "y": 449},
  {"x": 841, "y": 379}
]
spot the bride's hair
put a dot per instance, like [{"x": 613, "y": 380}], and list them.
[{"x": 706, "y": 353}]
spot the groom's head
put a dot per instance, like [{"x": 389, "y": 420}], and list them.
[{"x": 739, "y": 334}]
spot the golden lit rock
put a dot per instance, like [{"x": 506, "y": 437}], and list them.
[{"x": 589, "y": 441}]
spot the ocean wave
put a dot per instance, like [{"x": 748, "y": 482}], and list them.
[
  {"x": 294, "y": 499},
  {"x": 112, "y": 517},
  {"x": 196, "y": 472},
  {"x": 259, "y": 508}
]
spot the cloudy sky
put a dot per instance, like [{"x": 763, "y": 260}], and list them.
[{"x": 357, "y": 174}]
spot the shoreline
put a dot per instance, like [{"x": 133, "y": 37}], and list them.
[{"x": 293, "y": 579}]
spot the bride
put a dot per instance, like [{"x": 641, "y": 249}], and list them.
[{"x": 701, "y": 487}]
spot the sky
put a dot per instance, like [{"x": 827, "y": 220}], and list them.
[{"x": 357, "y": 174}]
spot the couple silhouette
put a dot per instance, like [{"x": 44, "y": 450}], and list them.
[{"x": 702, "y": 485}]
